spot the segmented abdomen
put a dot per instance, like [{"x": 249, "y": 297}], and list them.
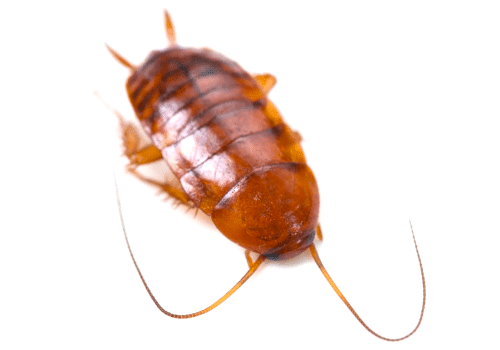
[{"x": 210, "y": 119}]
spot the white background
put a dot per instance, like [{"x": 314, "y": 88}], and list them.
[{"x": 398, "y": 104}]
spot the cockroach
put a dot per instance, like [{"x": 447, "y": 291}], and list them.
[{"x": 234, "y": 156}]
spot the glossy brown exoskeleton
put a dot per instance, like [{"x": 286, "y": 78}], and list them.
[
  {"x": 234, "y": 156},
  {"x": 227, "y": 144}
]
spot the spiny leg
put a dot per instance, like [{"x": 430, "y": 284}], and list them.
[
  {"x": 169, "y": 26},
  {"x": 129, "y": 133},
  {"x": 130, "y": 142},
  {"x": 172, "y": 190},
  {"x": 147, "y": 155},
  {"x": 265, "y": 81}
]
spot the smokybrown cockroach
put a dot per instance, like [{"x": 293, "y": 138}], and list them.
[{"x": 235, "y": 157}]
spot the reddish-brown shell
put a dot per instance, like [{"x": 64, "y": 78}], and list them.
[{"x": 228, "y": 145}]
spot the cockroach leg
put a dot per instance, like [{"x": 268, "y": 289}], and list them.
[
  {"x": 131, "y": 140},
  {"x": 170, "y": 189},
  {"x": 146, "y": 155},
  {"x": 129, "y": 132},
  {"x": 265, "y": 81}
]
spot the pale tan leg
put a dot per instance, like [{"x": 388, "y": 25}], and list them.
[
  {"x": 146, "y": 155},
  {"x": 265, "y": 81},
  {"x": 131, "y": 141},
  {"x": 171, "y": 190},
  {"x": 129, "y": 133}
]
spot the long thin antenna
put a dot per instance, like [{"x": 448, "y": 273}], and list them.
[
  {"x": 250, "y": 272},
  {"x": 314, "y": 254}
]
